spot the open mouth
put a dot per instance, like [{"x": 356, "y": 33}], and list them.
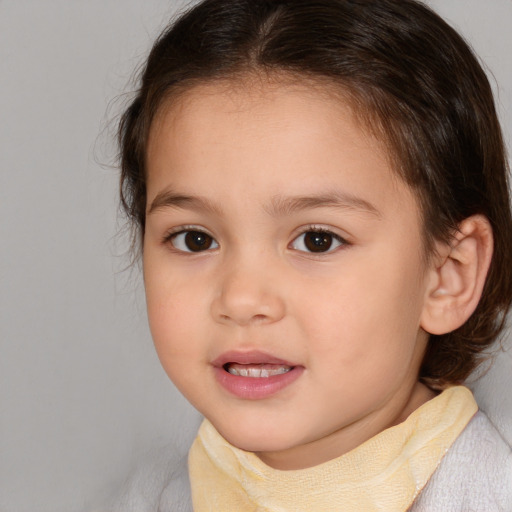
[
  {"x": 262, "y": 370},
  {"x": 254, "y": 375}
]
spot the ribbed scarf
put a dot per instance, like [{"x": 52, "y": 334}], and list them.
[{"x": 386, "y": 473}]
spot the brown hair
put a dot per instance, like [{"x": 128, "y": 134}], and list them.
[{"x": 408, "y": 73}]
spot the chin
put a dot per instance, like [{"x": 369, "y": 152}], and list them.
[{"x": 258, "y": 439}]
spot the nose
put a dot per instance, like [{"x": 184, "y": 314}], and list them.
[{"x": 248, "y": 296}]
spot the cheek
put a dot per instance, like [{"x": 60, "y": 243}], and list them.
[
  {"x": 173, "y": 328},
  {"x": 371, "y": 317},
  {"x": 170, "y": 314},
  {"x": 172, "y": 307}
]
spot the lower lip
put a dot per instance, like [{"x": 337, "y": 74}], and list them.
[{"x": 256, "y": 388}]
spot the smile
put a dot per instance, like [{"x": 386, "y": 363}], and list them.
[
  {"x": 254, "y": 375},
  {"x": 256, "y": 370}
]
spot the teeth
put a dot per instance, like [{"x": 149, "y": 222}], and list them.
[{"x": 256, "y": 371}]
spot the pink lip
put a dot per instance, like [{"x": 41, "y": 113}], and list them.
[
  {"x": 252, "y": 357},
  {"x": 253, "y": 388}
]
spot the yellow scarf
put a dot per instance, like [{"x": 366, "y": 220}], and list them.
[{"x": 386, "y": 473}]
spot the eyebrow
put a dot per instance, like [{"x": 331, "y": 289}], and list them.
[
  {"x": 277, "y": 207},
  {"x": 170, "y": 199},
  {"x": 280, "y": 206}
]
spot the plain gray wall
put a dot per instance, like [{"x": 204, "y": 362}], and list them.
[{"x": 82, "y": 396}]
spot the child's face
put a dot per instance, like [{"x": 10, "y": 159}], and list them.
[{"x": 280, "y": 246}]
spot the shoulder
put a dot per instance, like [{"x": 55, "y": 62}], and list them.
[{"x": 474, "y": 476}]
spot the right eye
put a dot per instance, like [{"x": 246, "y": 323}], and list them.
[
  {"x": 192, "y": 241},
  {"x": 318, "y": 241}
]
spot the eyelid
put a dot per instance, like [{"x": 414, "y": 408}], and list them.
[
  {"x": 316, "y": 228},
  {"x": 322, "y": 228},
  {"x": 174, "y": 232},
  {"x": 186, "y": 227}
]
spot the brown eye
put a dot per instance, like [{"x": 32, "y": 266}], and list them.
[
  {"x": 317, "y": 241},
  {"x": 193, "y": 241}
]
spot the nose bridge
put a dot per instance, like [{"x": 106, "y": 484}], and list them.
[{"x": 247, "y": 291}]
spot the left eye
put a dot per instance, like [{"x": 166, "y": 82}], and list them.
[{"x": 317, "y": 241}]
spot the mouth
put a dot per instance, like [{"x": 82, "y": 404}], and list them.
[
  {"x": 254, "y": 375},
  {"x": 256, "y": 371}
]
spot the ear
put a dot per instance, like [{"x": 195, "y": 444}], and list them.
[{"x": 457, "y": 276}]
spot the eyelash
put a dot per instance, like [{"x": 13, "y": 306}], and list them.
[
  {"x": 185, "y": 231},
  {"x": 318, "y": 230}
]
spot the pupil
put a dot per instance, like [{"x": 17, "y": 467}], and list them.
[
  {"x": 317, "y": 241},
  {"x": 197, "y": 241}
]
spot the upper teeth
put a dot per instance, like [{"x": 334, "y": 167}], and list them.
[{"x": 255, "y": 371}]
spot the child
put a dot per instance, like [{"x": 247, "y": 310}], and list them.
[{"x": 320, "y": 190}]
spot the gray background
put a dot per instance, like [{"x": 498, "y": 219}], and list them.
[{"x": 82, "y": 396}]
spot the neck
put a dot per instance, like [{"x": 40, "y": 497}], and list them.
[{"x": 337, "y": 443}]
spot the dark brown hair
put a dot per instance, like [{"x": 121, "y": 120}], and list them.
[{"x": 409, "y": 74}]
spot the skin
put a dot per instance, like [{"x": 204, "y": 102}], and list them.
[{"x": 350, "y": 317}]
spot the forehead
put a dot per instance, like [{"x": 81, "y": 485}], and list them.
[
  {"x": 281, "y": 101},
  {"x": 288, "y": 137}
]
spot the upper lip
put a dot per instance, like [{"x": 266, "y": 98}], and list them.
[{"x": 250, "y": 357}]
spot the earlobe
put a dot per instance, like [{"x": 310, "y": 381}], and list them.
[{"x": 457, "y": 276}]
